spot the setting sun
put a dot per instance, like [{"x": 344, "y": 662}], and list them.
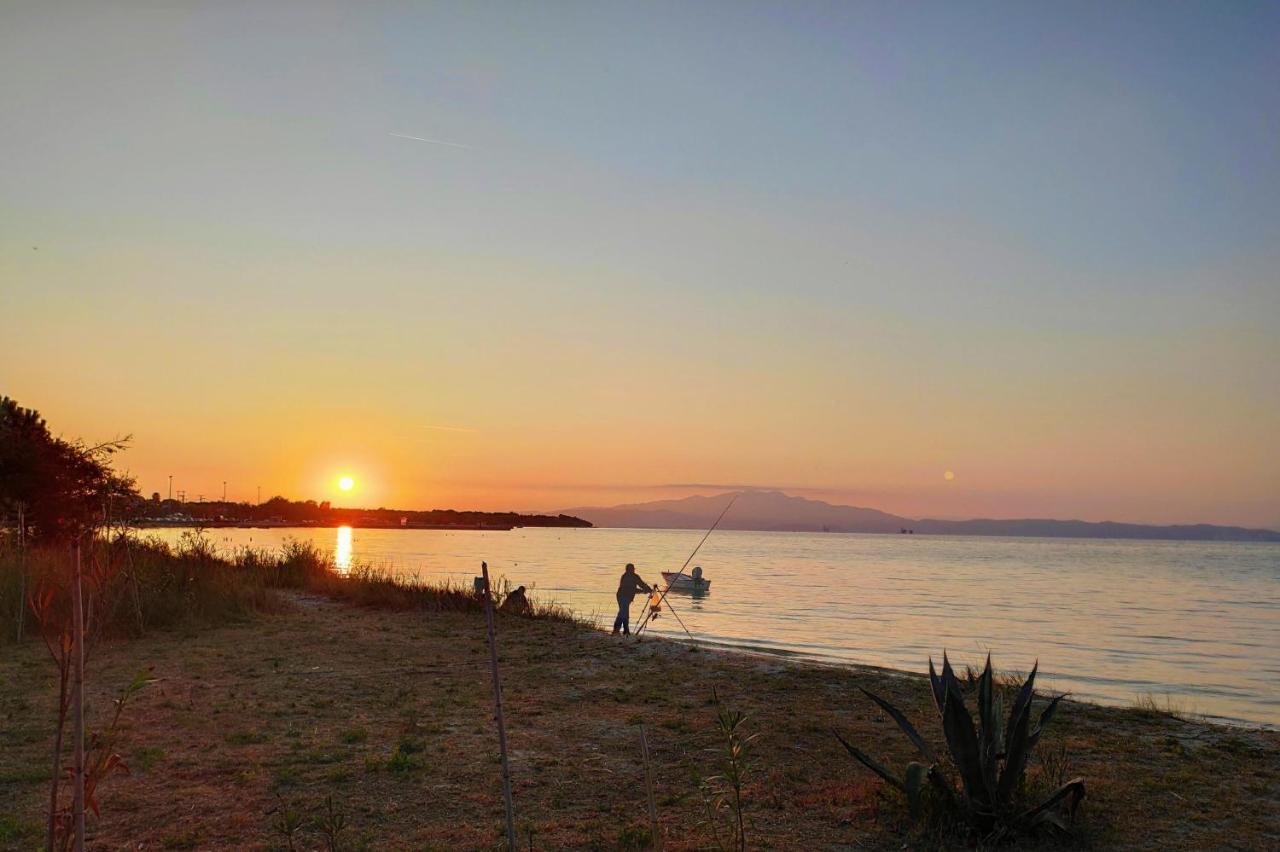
[{"x": 346, "y": 483}]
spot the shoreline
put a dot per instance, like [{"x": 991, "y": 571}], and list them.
[
  {"x": 266, "y": 525},
  {"x": 1136, "y": 686},
  {"x": 1190, "y": 717}
]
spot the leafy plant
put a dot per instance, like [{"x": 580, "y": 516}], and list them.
[
  {"x": 287, "y": 822},
  {"x": 723, "y": 792},
  {"x": 103, "y": 760},
  {"x": 71, "y": 636},
  {"x": 404, "y": 758},
  {"x": 331, "y": 823},
  {"x": 989, "y": 757}
]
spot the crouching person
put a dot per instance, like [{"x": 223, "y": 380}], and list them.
[{"x": 517, "y": 603}]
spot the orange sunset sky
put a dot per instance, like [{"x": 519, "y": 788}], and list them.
[{"x": 514, "y": 260}]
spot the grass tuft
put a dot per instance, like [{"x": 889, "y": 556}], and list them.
[{"x": 1151, "y": 705}]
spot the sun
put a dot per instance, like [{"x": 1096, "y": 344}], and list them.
[{"x": 346, "y": 483}]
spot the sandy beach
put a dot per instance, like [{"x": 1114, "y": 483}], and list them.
[{"x": 390, "y": 714}]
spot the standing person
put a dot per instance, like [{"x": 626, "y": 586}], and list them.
[{"x": 627, "y": 587}]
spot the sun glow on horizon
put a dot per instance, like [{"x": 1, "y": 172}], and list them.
[{"x": 1092, "y": 340}]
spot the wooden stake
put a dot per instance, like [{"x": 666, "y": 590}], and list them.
[
  {"x": 22, "y": 567},
  {"x": 497, "y": 707},
  {"x": 648, "y": 787},
  {"x": 77, "y": 702}
]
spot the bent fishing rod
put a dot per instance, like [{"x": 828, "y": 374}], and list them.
[{"x": 663, "y": 596}]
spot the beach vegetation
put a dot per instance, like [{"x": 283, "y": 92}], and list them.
[
  {"x": 287, "y": 821},
  {"x": 331, "y": 823},
  {"x": 723, "y": 792},
  {"x": 51, "y": 489},
  {"x": 989, "y": 757},
  {"x": 1154, "y": 706},
  {"x": 144, "y": 584}
]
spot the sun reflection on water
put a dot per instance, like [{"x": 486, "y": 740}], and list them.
[{"x": 342, "y": 551}]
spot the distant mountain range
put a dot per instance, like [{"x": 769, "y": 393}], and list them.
[{"x": 774, "y": 511}]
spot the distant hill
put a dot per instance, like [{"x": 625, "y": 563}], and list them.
[
  {"x": 775, "y": 511},
  {"x": 754, "y": 510}
]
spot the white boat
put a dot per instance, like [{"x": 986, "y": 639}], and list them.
[{"x": 693, "y": 582}]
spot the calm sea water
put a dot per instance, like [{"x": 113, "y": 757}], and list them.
[{"x": 1108, "y": 620}]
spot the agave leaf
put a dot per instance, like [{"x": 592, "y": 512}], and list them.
[
  {"x": 914, "y": 782},
  {"x": 997, "y": 713},
  {"x": 962, "y": 740},
  {"x": 1034, "y": 737},
  {"x": 984, "y": 693},
  {"x": 903, "y": 723},
  {"x": 948, "y": 674},
  {"x": 1073, "y": 789},
  {"x": 1047, "y": 713},
  {"x": 1019, "y": 743},
  {"x": 987, "y": 721},
  {"x": 939, "y": 693},
  {"x": 1021, "y": 702},
  {"x": 872, "y": 764},
  {"x": 1052, "y": 819}
]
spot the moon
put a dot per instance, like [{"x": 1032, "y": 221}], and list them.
[{"x": 948, "y": 476}]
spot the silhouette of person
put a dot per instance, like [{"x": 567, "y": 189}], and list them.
[
  {"x": 516, "y": 603},
  {"x": 627, "y": 587}
]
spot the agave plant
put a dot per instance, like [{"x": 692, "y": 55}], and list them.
[{"x": 990, "y": 758}]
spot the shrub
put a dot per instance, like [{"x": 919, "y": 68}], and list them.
[{"x": 990, "y": 759}]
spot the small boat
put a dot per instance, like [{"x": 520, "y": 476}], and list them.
[{"x": 693, "y": 582}]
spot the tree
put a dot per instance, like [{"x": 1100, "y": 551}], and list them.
[
  {"x": 61, "y": 486},
  {"x": 62, "y": 491}
]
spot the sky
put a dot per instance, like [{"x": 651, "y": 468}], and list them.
[{"x": 643, "y": 250}]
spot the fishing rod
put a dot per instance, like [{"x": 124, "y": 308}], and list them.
[
  {"x": 663, "y": 596},
  {"x": 672, "y": 610}
]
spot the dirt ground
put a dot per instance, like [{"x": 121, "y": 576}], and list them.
[{"x": 249, "y": 727}]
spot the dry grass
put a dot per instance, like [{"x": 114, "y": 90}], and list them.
[
  {"x": 1153, "y": 704},
  {"x": 388, "y": 711},
  {"x": 191, "y": 586}
]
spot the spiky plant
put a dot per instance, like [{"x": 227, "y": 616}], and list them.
[{"x": 989, "y": 757}]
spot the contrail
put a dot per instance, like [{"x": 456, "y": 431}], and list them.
[{"x": 432, "y": 141}]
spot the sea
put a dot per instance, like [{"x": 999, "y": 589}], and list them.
[{"x": 1192, "y": 626}]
